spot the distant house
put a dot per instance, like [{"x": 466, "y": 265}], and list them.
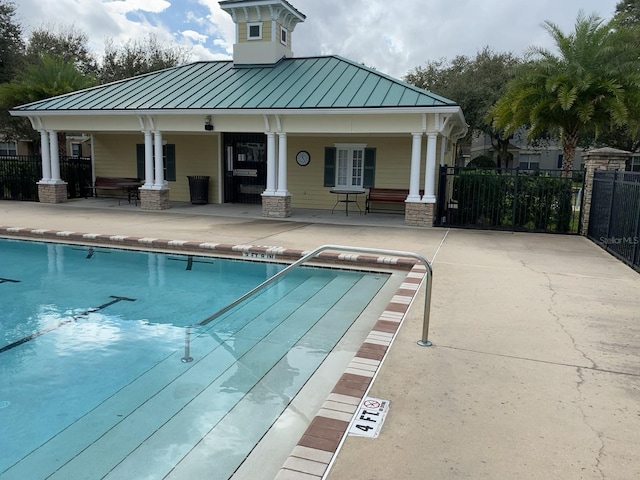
[
  {"x": 265, "y": 127},
  {"x": 546, "y": 155},
  {"x": 11, "y": 148}
]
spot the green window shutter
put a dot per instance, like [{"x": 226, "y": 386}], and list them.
[
  {"x": 329, "y": 167},
  {"x": 140, "y": 160},
  {"x": 369, "y": 174},
  {"x": 170, "y": 153}
]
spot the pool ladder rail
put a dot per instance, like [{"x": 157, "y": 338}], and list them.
[{"x": 424, "y": 340}]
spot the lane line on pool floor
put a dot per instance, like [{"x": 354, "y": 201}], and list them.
[{"x": 73, "y": 318}]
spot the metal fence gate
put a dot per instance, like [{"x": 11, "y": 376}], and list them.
[
  {"x": 614, "y": 219},
  {"x": 19, "y": 174},
  {"x": 510, "y": 199}
]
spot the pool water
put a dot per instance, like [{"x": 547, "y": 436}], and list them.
[{"x": 97, "y": 380}]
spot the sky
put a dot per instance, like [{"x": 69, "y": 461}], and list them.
[{"x": 392, "y": 36}]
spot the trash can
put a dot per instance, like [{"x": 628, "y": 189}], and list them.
[{"x": 199, "y": 189}]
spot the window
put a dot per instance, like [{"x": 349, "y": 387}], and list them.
[
  {"x": 76, "y": 150},
  {"x": 254, "y": 31},
  {"x": 349, "y": 166},
  {"x": 529, "y": 161},
  {"x": 8, "y": 148},
  {"x": 168, "y": 159},
  {"x": 634, "y": 166},
  {"x": 283, "y": 35}
]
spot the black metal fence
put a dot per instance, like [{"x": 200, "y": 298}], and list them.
[
  {"x": 510, "y": 199},
  {"x": 614, "y": 219},
  {"x": 19, "y": 174}
]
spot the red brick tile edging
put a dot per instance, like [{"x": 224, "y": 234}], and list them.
[{"x": 311, "y": 458}]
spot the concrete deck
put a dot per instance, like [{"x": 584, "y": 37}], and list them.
[{"x": 535, "y": 368}]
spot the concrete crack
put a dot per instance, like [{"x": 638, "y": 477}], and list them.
[
  {"x": 550, "y": 311},
  {"x": 579, "y": 371},
  {"x": 598, "y": 434}
]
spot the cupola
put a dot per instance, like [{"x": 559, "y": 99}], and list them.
[{"x": 263, "y": 30}]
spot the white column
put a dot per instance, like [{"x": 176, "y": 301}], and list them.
[
  {"x": 282, "y": 165},
  {"x": 159, "y": 164},
  {"x": 46, "y": 158},
  {"x": 430, "y": 171},
  {"x": 271, "y": 164},
  {"x": 55, "y": 157},
  {"x": 148, "y": 159},
  {"x": 414, "y": 179}
]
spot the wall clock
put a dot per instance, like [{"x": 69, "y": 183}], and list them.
[{"x": 303, "y": 158}]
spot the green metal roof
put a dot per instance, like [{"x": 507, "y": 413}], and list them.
[{"x": 327, "y": 82}]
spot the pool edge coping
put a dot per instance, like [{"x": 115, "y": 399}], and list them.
[{"x": 318, "y": 446}]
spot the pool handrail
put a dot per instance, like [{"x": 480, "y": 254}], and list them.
[{"x": 424, "y": 340}]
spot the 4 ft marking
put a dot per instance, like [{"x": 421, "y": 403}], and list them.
[{"x": 364, "y": 416}]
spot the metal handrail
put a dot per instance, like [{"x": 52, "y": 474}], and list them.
[{"x": 424, "y": 340}]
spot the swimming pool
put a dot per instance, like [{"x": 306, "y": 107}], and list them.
[{"x": 94, "y": 382}]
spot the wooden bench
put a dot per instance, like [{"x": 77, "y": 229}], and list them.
[
  {"x": 386, "y": 196},
  {"x": 118, "y": 187}
]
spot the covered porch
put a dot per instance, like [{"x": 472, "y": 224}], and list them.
[{"x": 302, "y": 128}]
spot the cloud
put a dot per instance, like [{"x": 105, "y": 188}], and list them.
[
  {"x": 194, "y": 36},
  {"x": 391, "y": 36},
  {"x": 126, "y": 6}
]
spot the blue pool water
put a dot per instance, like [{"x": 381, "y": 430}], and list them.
[{"x": 92, "y": 347}]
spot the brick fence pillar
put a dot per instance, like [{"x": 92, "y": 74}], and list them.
[{"x": 600, "y": 159}]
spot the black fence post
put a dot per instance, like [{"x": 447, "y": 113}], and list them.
[
  {"x": 611, "y": 203},
  {"x": 581, "y": 193},
  {"x": 514, "y": 210},
  {"x": 442, "y": 195}
]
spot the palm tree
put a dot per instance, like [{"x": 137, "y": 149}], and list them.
[
  {"x": 48, "y": 77},
  {"x": 592, "y": 82}
]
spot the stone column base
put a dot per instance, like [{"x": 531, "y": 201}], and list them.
[
  {"x": 154, "y": 199},
  {"x": 276, "y": 206},
  {"x": 419, "y": 214},
  {"x": 52, "y": 192}
]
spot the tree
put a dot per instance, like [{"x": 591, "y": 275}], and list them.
[
  {"x": 624, "y": 137},
  {"x": 475, "y": 84},
  {"x": 627, "y": 13},
  {"x": 139, "y": 57},
  {"x": 49, "y": 77},
  {"x": 65, "y": 42},
  {"x": 11, "y": 44},
  {"x": 593, "y": 81}
]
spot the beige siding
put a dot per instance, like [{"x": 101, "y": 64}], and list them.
[
  {"x": 115, "y": 155},
  {"x": 306, "y": 184},
  {"x": 243, "y": 32},
  {"x": 24, "y": 148},
  {"x": 195, "y": 155},
  {"x": 266, "y": 31}
]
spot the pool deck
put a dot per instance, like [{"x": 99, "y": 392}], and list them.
[{"x": 535, "y": 368}]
